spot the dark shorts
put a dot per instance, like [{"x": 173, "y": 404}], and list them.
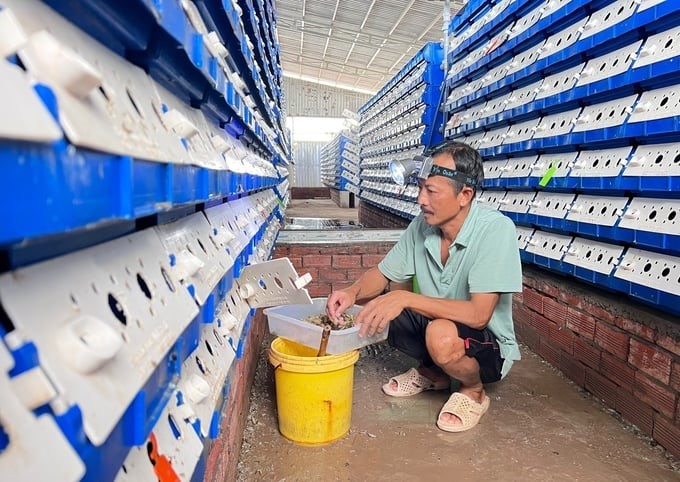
[{"x": 407, "y": 334}]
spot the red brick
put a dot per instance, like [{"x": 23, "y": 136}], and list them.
[
  {"x": 563, "y": 338},
  {"x": 587, "y": 353},
  {"x": 655, "y": 395},
  {"x": 581, "y": 323},
  {"x": 310, "y": 192},
  {"x": 600, "y": 313},
  {"x": 520, "y": 314},
  {"x": 383, "y": 248},
  {"x": 618, "y": 371},
  {"x": 636, "y": 328},
  {"x": 316, "y": 260},
  {"x": 531, "y": 338},
  {"x": 373, "y": 217},
  {"x": 371, "y": 260},
  {"x": 529, "y": 282},
  {"x": 303, "y": 250},
  {"x": 346, "y": 261},
  {"x": 281, "y": 251},
  {"x": 612, "y": 340},
  {"x": 549, "y": 352},
  {"x": 332, "y": 275},
  {"x": 542, "y": 325},
  {"x": 517, "y": 299},
  {"x": 651, "y": 360},
  {"x": 520, "y": 329},
  {"x": 548, "y": 288},
  {"x": 669, "y": 343},
  {"x": 296, "y": 261},
  {"x": 667, "y": 434},
  {"x": 635, "y": 411},
  {"x": 601, "y": 387},
  {"x": 533, "y": 300},
  {"x": 555, "y": 311},
  {"x": 675, "y": 377},
  {"x": 351, "y": 249},
  {"x": 571, "y": 299},
  {"x": 319, "y": 290},
  {"x": 574, "y": 369}
]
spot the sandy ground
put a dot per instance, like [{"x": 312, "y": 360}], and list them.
[{"x": 540, "y": 426}]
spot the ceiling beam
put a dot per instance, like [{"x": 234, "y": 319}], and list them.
[
  {"x": 389, "y": 35},
  {"x": 387, "y": 47},
  {"x": 340, "y": 85},
  {"x": 310, "y": 61},
  {"x": 318, "y": 28},
  {"x": 330, "y": 29},
  {"x": 361, "y": 27},
  {"x": 302, "y": 30}
]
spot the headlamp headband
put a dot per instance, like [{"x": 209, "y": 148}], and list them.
[
  {"x": 422, "y": 167},
  {"x": 428, "y": 169}
]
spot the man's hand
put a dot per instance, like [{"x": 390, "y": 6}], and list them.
[
  {"x": 338, "y": 302},
  {"x": 377, "y": 313}
]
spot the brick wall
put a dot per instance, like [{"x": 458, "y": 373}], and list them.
[
  {"x": 332, "y": 266},
  {"x": 310, "y": 192},
  {"x": 371, "y": 216},
  {"x": 223, "y": 453},
  {"x": 623, "y": 353}
]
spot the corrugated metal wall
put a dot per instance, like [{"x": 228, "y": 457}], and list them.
[
  {"x": 307, "y": 165},
  {"x": 306, "y": 99}
]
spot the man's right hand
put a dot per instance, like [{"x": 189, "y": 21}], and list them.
[{"x": 338, "y": 302}]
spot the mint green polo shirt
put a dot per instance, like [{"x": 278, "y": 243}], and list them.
[{"x": 484, "y": 258}]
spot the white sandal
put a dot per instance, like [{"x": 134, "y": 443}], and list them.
[
  {"x": 466, "y": 409},
  {"x": 412, "y": 383}
]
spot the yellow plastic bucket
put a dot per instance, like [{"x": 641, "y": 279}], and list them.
[{"x": 313, "y": 394}]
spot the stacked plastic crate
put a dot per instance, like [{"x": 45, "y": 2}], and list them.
[
  {"x": 574, "y": 106},
  {"x": 399, "y": 122},
  {"x": 340, "y": 163},
  {"x": 144, "y": 167}
]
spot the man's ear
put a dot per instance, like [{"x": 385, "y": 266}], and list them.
[{"x": 467, "y": 194}]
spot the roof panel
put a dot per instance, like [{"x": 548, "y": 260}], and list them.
[{"x": 372, "y": 41}]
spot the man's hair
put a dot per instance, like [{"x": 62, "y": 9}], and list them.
[{"x": 467, "y": 159}]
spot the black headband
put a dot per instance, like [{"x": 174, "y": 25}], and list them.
[{"x": 451, "y": 174}]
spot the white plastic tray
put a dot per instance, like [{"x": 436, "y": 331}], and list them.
[{"x": 287, "y": 322}]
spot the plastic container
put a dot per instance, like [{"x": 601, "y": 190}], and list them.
[
  {"x": 313, "y": 394},
  {"x": 287, "y": 322}
]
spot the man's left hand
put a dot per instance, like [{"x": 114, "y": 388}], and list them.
[{"x": 376, "y": 315}]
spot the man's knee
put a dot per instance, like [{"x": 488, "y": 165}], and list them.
[{"x": 443, "y": 342}]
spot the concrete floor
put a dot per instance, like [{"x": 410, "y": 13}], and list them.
[
  {"x": 540, "y": 426},
  {"x": 320, "y": 208}
]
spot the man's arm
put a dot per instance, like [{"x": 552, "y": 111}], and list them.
[{"x": 475, "y": 313}]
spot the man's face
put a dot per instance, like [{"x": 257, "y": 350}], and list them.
[{"x": 437, "y": 198}]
